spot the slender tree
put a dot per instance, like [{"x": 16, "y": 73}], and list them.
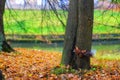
[
  {"x": 78, "y": 36},
  {"x": 3, "y": 43}
]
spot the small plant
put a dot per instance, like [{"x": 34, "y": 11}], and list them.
[
  {"x": 62, "y": 70},
  {"x": 116, "y": 1}
]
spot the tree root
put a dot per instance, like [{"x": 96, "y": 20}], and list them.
[{"x": 6, "y": 47}]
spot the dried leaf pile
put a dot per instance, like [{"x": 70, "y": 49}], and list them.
[{"x": 29, "y": 64}]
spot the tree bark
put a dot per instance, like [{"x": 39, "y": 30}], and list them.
[
  {"x": 1, "y": 76},
  {"x": 4, "y": 46},
  {"x": 84, "y": 31},
  {"x": 78, "y": 33},
  {"x": 70, "y": 34}
]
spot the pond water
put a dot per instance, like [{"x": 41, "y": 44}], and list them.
[{"x": 59, "y": 46}]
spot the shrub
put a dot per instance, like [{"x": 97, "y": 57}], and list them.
[{"x": 116, "y": 1}]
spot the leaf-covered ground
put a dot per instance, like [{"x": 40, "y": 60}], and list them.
[{"x": 29, "y": 64}]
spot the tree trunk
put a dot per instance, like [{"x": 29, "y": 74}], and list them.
[
  {"x": 1, "y": 76},
  {"x": 70, "y": 34},
  {"x": 78, "y": 33},
  {"x": 3, "y": 44},
  {"x": 84, "y": 31}
]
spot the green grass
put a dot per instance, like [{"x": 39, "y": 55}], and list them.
[
  {"x": 45, "y": 22},
  {"x": 32, "y": 22},
  {"x": 109, "y": 56},
  {"x": 109, "y": 52},
  {"x": 106, "y": 22}
]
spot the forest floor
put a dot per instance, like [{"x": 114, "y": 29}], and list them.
[{"x": 27, "y": 64}]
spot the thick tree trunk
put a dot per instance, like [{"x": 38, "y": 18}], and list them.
[
  {"x": 84, "y": 31},
  {"x": 3, "y": 44},
  {"x": 78, "y": 34},
  {"x": 70, "y": 34}
]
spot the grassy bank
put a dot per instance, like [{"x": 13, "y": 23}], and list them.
[{"x": 46, "y": 22}]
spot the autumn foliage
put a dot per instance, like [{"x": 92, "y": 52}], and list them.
[{"x": 26, "y": 64}]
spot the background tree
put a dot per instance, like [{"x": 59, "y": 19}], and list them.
[
  {"x": 78, "y": 36},
  {"x": 3, "y": 43}
]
